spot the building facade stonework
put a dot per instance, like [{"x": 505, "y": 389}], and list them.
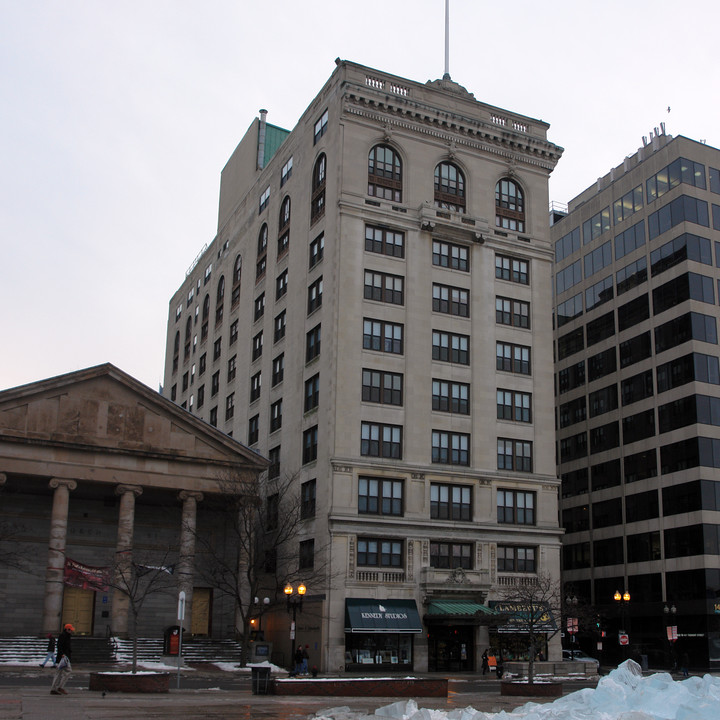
[{"x": 372, "y": 316}]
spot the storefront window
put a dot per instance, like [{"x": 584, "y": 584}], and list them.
[{"x": 378, "y": 651}]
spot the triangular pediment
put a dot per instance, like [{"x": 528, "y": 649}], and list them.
[{"x": 103, "y": 408}]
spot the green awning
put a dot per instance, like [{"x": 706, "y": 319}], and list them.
[
  {"x": 368, "y": 615},
  {"x": 455, "y": 610}
]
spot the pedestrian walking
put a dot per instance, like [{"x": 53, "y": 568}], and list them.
[
  {"x": 685, "y": 664},
  {"x": 50, "y": 654},
  {"x": 305, "y": 658},
  {"x": 64, "y": 666},
  {"x": 298, "y": 660},
  {"x": 485, "y": 663}
]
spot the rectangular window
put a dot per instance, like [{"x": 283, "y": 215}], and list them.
[
  {"x": 678, "y": 171},
  {"x": 568, "y": 277},
  {"x": 314, "y": 294},
  {"x": 312, "y": 344},
  {"x": 514, "y": 405},
  {"x": 380, "y": 440},
  {"x": 281, "y": 285},
  {"x": 631, "y": 239},
  {"x": 628, "y": 204},
  {"x": 317, "y": 250},
  {"x": 279, "y": 326},
  {"x": 257, "y": 346},
  {"x": 602, "y": 364},
  {"x": 640, "y": 466},
  {"x": 514, "y": 455},
  {"x": 276, "y": 415},
  {"x": 601, "y": 292},
  {"x": 631, "y": 275},
  {"x": 512, "y": 269},
  {"x": 684, "y": 247},
  {"x": 450, "y": 502},
  {"x": 200, "y": 396},
  {"x": 449, "y": 347},
  {"x": 515, "y": 559},
  {"x": 449, "y": 255},
  {"x": 253, "y": 429},
  {"x": 234, "y": 332},
  {"x": 571, "y": 377},
  {"x": 312, "y": 392},
  {"x": 379, "y": 553},
  {"x": 571, "y": 343},
  {"x": 229, "y": 406},
  {"x": 382, "y": 336},
  {"x": 453, "y": 397},
  {"x": 638, "y": 387},
  {"x": 306, "y": 555},
  {"x": 255, "y": 382},
  {"x": 573, "y": 412},
  {"x": 321, "y": 127},
  {"x": 682, "y": 209},
  {"x": 286, "y": 172},
  {"x": 382, "y": 387},
  {"x": 384, "y": 241},
  {"x": 513, "y": 358},
  {"x": 598, "y": 259},
  {"x": 567, "y": 244},
  {"x": 635, "y": 349},
  {"x": 213, "y": 416},
  {"x": 600, "y": 329},
  {"x": 232, "y": 368},
  {"x": 264, "y": 198},
  {"x": 451, "y": 300},
  {"x": 278, "y": 369},
  {"x": 596, "y": 225},
  {"x": 215, "y": 384},
  {"x": 448, "y": 556},
  {"x": 307, "y": 499},
  {"x": 570, "y": 309},
  {"x": 512, "y": 312},
  {"x": 515, "y": 507},
  {"x": 310, "y": 441},
  {"x": 380, "y": 496},
  {"x": 384, "y": 287},
  {"x": 202, "y": 365},
  {"x": 217, "y": 348},
  {"x": 450, "y": 448},
  {"x": 604, "y": 438},
  {"x": 259, "y": 310}
]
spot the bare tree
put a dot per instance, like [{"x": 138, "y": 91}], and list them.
[
  {"x": 531, "y": 606},
  {"x": 261, "y": 523},
  {"x": 139, "y": 579}
]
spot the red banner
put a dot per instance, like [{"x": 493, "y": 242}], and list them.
[{"x": 86, "y": 577}]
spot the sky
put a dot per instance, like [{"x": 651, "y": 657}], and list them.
[{"x": 116, "y": 119}]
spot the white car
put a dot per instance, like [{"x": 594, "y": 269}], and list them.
[{"x": 578, "y": 656}]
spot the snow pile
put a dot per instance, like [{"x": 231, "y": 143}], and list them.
[{"x": 624, "y": 694}]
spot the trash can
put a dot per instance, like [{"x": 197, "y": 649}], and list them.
[{"x": 260, "y": 675}]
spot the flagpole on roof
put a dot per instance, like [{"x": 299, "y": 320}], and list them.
[{"x": 446, "y": 76}]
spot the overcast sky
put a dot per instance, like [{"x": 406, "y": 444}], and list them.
[{"x": 116, "y": 119}]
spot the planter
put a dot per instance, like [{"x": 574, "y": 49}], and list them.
[
  {"x": 363, "y": 687},
  {"x": 515, "y": 688},
  {"x": 127, "y": 682}
]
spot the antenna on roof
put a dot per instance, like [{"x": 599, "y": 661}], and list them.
[{"x": 446, "y": 76}]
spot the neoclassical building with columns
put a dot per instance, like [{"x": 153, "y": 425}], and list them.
[{"x": 96, "y": 466}]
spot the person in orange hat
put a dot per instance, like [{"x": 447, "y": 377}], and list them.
[{"x": 64, "y": 667}]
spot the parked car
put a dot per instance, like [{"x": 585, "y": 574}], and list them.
[{"x": 578, "y": 656}]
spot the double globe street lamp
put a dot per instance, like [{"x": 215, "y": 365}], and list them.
[
  {"x": 623, "y": 600},
  {"x": 294, "y": 604}
]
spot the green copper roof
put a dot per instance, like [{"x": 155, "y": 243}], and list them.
[
  {"x": 274, "y": 138},
  {"x": 459, "y": 608}
]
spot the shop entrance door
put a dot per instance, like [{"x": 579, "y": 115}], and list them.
[
  {"x": 451, "y": 648},
  {"x": 201, "y": 602},
  {"x": 78, "y": 607}
]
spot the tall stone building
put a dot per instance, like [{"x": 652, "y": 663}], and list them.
[
  {"x": 380, "y": 278},
  {"x": 638, "y": 394}
]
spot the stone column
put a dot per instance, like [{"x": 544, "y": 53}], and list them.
[
  {"x": 123, "y": 557},
  {"x": 186, "y": 562},
  {"x": 55, "y": 572}
]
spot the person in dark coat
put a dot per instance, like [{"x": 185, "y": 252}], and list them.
[
  {"x": 485, "y": 663},
  {"x": 50, "y": 654},
  {"x": 305, "y": 658},
  {"x": 64, "y": 666},
  {"x": 298, "y": 660},
  {"x": 685, "y": 664}
]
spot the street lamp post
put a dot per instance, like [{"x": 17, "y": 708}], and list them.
[
  {"x": 623, "y": 637},
  {"x": 294, "y": 604},
  {"x": 572, "y": 622}
]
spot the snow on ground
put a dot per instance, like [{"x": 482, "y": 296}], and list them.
[{"x": 624, "y": 694}]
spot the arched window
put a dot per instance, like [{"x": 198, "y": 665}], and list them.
[
  {"x": 188, "y": 336},
  {"x": 385, "y": 174},
  {"x": 261, "y": 264},
  {"x": 220, "y": 302},
  {"x": 176, "y": 351},
  {"x": 284, "y": 224},
  {"x": 317, "y": 202},
  {"x": 449, "y": 187},
  {"x": 205, "y": 315},
  {"x": 509, "y": 206},
  {"x": 237, "y": 273}
]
